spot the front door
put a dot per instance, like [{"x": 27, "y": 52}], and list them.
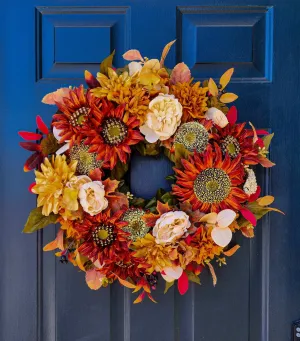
[{"x": 48, "y": 44}]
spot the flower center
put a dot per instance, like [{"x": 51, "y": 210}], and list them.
[
  {"x": 104, "y": 235},
  {"x": 212, "y": 185},
  {"x": 86, "y": 161},
  {"x": 114, "y": 131},
  {"x": 193, "y": 136},
  {"x": 231, "y": 146},
  {"x": 136, "y": 225},
  {"x": 79, "y": 116}
]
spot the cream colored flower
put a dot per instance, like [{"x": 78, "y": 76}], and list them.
[
  {"x": 171, "y": 273},
  {"x": 221, "y": 233},
  {"x": 134, "y": 67},
  {"x": 217, "y": 116},
  {"x": 163, "y": 118},
  {"x": 92, "y": 197},
  {"x": 170, "y": 226}
]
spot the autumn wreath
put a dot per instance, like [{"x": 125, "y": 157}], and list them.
[{"x": 81, "y": 161}]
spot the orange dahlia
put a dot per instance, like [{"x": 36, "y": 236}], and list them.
[
  {"x": 74, "y": 115},
  {"x": 103, "y": 237},
  {"x": 210, "y": 182},
  {"x": 113, "y": 135},
  {"x": 235, "y": 140}
]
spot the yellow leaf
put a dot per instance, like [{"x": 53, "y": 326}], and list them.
[
  {"x": 79, "y": 262},
  {"x": 212, "y": 87},
  {"x": 165, "y": 52},
  {"x": 247, "y": 232},
  {"x": 228, "y": 97},
  {"x": 126, "y": 283},
  {"x": 140, "y": 298},
  {"x": 265, "y": 201},
  {"x": 225, "y": 78},
  {"x": 232, "y": 251},
  {"x": 149, "y": 79}
]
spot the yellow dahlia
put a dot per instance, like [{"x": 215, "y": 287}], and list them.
[
  {"x": 124, "y": 90},
  {"x": 193, "y": 99},
  {"x": 53, "y": 195},
  {"x": 157, "y": 256}
]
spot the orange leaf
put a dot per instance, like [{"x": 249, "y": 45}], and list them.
[
  {"x": 163, "y": 208},
  {"x": 265, "y": 162},
  {"x": 126, "y": 283},
  {"x": 110, "y": 185},
  {"x": 247, "y": 232},
  {"x": 232, "y": 251},
  {"x": 57, "y": 243},
  {"x": 79, "y": 262},
  {"x": 140, "y": 298},
  {"x": 133, "y": 55},
  {"x": 225, "y": 78},
  {"x": 212, "y": 87},
  {"x": 151, "y": 298},
  {"x": 265, "y": 201},
  {"x": 150, "y": 218},
  {"x": 228, "y": 97},
  {"x": 181, "y": 73},
  {"x": 117, "y": 201},
  {"x": 213, "y": 274},
  {"x": 165, "y": 52},
  {"x": 94, "y": 279}
]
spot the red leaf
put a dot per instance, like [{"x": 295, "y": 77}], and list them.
[
  {"x": 262, "y": 132},
  {"x": 232, "y": 115},
  {"x": 188, "y": 239},
  {"x": 260, "y": 142},
  {"x": 183, "y": 283},
  {"x": 41, "y": 125},
  {"x": 247, "y": 214},
  {"x": 33, "y": 147},
  {"x": 91, "y": 81},
  {"x": 32, "y": 162},
  {"x": 30, "y": 136},
  {"x": 31, "y": 186},
  {"x": 254, "y": 196}
]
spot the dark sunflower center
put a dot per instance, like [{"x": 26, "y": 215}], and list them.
[
  {"x": 212, "y": 185},
  {"x": 114, "y": 131},
  {"x": 86, "y": 161},
  {"x": 104, "y": 235},
  {"x": 231, "y": 146},
  {"x": 193, "y": 136},
  {"x": 79, "y": 116},
  {"x": 136, "y": 225}
]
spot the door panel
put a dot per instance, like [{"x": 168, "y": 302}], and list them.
[{"x": 49, "y": 44}]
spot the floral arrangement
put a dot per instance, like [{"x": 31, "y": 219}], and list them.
[{"x": 80, "y": 164}]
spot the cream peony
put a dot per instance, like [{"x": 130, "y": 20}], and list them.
[
  {"x": 134, "y": 67},
  {"x": 163, "y": 118},
  {"x": 170, "y": 226},
  {"x": 92, "y": 197},
  {"x": 217, "y": 116}
]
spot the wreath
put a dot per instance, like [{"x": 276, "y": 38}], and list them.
[{"x": 80, "y": 166}]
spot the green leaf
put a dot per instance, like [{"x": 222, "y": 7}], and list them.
[
  {"x": 137, "y": 202},
  {"x": 168, "y": 286},
  {"x": 192, "y": 277},
  {"x": 37, "y": 220},
  {"x": 151, "y": 203},
  {"x": 145, "y": 148},
  {"x": 171, "y": 178},
  {"x": 267, "y": 140},
  {"x": 180, "y": 153},
  {"x": 168, "y": 198},
  {"x": 119, "y": 170},
  {"x": 160, "y": 192},
  {"x": 106, "y": 63}
]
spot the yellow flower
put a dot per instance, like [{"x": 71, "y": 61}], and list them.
[
  {"x": 51, "y": 183},
  {"x": 156, "y": 255},
  {"x": 123, "y": 89},
  {"x": 192, "y": 98}
]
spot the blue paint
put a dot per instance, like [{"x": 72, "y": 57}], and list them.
[{"x": 258, "y": 293}]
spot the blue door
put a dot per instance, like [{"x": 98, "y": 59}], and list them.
[{"x": 48, "y": 44}]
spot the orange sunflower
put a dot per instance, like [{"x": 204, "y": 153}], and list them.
[
  {"x": 103, "y": 237},
  {"x": 209, "y": 182},
  {"x": 74, "y": 115},
  {"x": 113, "y": 135}
]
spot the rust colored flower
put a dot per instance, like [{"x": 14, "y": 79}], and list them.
[
  {"x": 73, "y": 116},
  {"x": 193, "y": 99},
  {"x": 235, "y": 140},
  {"x": 113, "y": 135},
  {"x": 210, "y": 182},
  {"x": 103, "y": 237}
]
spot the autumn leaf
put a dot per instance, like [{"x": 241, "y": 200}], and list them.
[
  {"x": 57, "y": 243},
  {"x": 232, "y": 251},
  {"x": 126, "y": 283},
  {"x": 212, "y": 87},
  {"x": 265, "y": 201},
  {"x": 168, "y": 286},
  {"x": 94, "y": 279},
  {"x": 107, "y": 63},
  {"x": 225, "y": 78},
  {"x": 248, "y": 232},
  {"x": 37, "y": 220},
  {"x": 213, "y": 274},
  {"x": 140, "y": 298},
  {"x": 228, "y": 97},
  {"x": 267, "y": 140},
  {"x": 181, "y": 73},
  {"x": 132, "y": 55},
  {"x": 165, "y": 52}
]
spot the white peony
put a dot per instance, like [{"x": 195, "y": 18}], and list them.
[
  {"x": 171, "y": 226},
  {"x": 92, "y": 197},
  {"x": 163, "y": 118},
  {"x": 217, "y": 116}
]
